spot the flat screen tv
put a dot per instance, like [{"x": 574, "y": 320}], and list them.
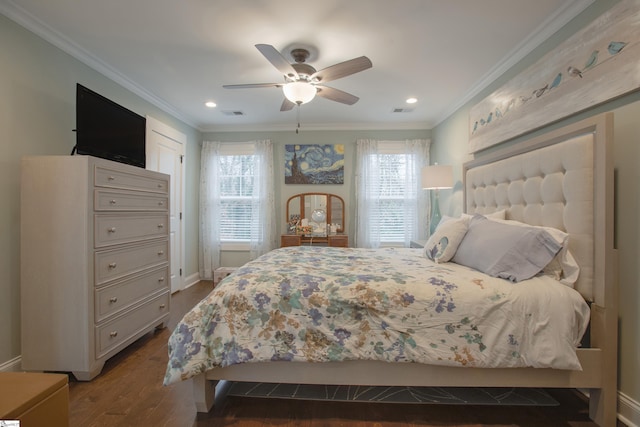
[{"x": 107, "y": 130}]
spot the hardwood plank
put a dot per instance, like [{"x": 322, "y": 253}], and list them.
[{"x": 129, "y": 392}]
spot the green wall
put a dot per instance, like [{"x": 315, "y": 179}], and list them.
[
  {"x": 37, "y": 115},
  {"x": 449, "y": 145}
]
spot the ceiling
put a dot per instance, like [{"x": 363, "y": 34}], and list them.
[{"x": 178, "y": 54}]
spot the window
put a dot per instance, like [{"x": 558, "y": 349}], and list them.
[
  {"x": 237, "y": 177},
  {"x": 397, "y": 190},
  {"x": 390, "y": 205},
  {"x": 237, "y": 205}
]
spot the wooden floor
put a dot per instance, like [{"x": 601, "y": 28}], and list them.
[{"x": 129, "y": 392}]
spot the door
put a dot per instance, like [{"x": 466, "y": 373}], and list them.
[{"x": 165, "y": 153}]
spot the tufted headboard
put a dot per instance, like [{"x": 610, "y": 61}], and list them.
[{"x": 563, "y": 179}]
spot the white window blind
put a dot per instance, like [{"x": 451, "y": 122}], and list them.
[
  {"x": 397, "y": 197},
  {"x": 237, "y": 179}
]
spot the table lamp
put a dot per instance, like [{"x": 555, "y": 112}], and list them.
[{"x": 436, "y": 177}]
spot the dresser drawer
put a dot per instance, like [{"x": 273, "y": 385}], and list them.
[
  {"x": 115, "y": 178},
  {"x": 117, "y": 263},
  {"x": 114, "y": 200},
  {"x": 113, "y": 299},
  {"x": 115, "y": 229},
  {"x": 120, "y": 329}
]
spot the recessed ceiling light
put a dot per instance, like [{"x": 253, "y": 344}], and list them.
[
  {"x": 412, "y": 100},
  {"x": 210, "y": 104}
]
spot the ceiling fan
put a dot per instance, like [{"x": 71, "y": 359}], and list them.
[{"x": 302, "y": 82}]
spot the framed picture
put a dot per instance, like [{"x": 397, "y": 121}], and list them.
[
  {"x": 596, "y": 64},
  {"x": 314, "y": 164}
]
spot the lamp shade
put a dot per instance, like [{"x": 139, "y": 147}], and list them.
[
  {"x": 299, "y": 92},
  {"x": 437, "y": 177}
]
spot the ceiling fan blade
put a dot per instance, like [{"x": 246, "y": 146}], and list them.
[
  {"x": 336, "y": 95},
  {"x": 287, "y": 105},
  {"x": 343, "y": 69},
  {"x": 252, "y": 85},
  {"x": 277, "y": 60}
]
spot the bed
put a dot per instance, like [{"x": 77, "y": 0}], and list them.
[{"x": 374, "y": 324}]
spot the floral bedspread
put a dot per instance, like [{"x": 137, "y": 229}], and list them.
[{"x": 320, "y": 304}]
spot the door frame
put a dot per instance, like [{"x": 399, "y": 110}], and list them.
[{"x": 156, "y": 126}]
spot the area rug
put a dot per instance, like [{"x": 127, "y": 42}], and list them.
[{"x": 430, "y": 395}]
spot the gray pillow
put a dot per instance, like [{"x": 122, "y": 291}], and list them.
[{"x": 505, "y": 250}]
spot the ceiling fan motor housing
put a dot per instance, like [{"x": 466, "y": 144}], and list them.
[{"x": 304, "y": 70}]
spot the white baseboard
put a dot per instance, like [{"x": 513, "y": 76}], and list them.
[
  {"x": 191, "y": 280},
  {"x": 13, "y": 365},
  {"x": 628, "y": 410}
]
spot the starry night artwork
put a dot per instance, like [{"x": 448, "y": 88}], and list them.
[{"x": 314, "y": 164}]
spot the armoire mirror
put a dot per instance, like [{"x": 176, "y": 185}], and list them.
[{"x": 318, "y": 209}]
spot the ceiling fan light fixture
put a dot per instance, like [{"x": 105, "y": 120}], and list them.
[{"x": 299, "y": 92}]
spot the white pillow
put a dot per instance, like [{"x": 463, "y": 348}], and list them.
[
  {"x": 444, "y": 241},
  {"x": 563, "y": 267},
  {"x": 501, "y": 214},
  {"x": 506, "y": 250}
]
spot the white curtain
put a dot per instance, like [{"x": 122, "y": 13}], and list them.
[
  {"x": 416, "y": 205},
  {"x": 367, "y": 198},
  {"x": 263, "y": 237},
  {"x": 209, "y": 245}
]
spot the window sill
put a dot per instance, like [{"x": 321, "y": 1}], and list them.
[{"x": 235, "y": 247}]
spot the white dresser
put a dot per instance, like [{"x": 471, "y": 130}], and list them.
[{"x": 94, "y": 260}]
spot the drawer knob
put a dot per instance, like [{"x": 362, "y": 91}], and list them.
[
  {"x": 160, "y": 225},
  {"x": 159, "y": 185},
  {"x": 162, "y": 305},
  {"x": 113, "y": 334},
  {"x": 161, "y": 279},
  {"x": 161, "y": 203},
  {"x": 111, "y": 229},
  {"x": 160, "y": 252},
  {"x": 112, "y": 201},
  {"x": 111, "y": 178},
  {"x": 113, "y": 300},
  {"x": 112, "y": 265}
]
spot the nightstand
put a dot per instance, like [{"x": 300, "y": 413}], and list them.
[
  {"x": 36, "y": 399},
  {"x": 417, "y": 243}
]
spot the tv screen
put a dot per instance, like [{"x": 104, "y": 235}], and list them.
[{"x": 108, "y": 130}]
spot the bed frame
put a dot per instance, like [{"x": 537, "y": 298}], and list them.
[{"x": 562, "y": 179}]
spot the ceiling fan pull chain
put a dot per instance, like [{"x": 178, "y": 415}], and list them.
[{"x": 298, "y": 118}]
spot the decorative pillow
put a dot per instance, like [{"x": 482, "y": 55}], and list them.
[
  {"x": 446, "y": 218},
  {"x": 505, "y": 250},
  {"x": 563, "y": 267},
  {"x": 443, "y": 243}
]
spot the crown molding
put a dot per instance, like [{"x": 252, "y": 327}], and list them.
[
  {"x": 41, "y": 29},
  {"x": 549, "y": 27},
  {"x": 542, "y": 33}
]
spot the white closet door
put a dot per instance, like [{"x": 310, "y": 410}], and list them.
[{"x": 165, "y": 153}]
